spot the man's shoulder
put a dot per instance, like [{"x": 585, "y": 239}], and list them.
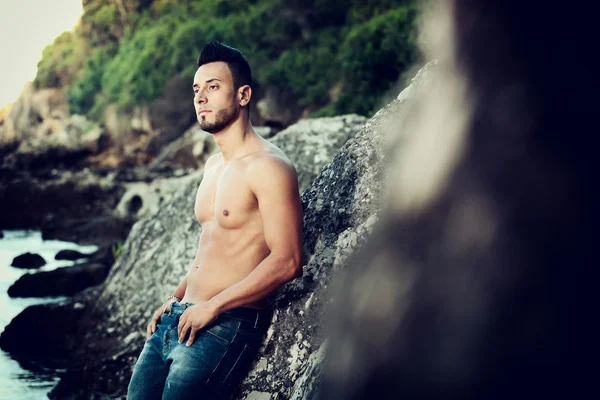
[
  {"x": 271, "y": 160},
  {"x": 213, "y": 159},
  {"x": 271, "y": 168}
]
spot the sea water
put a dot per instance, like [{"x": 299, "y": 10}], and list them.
[{"x": 19, "y": 380}]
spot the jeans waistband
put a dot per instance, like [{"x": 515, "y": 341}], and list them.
[{"x": 254, "y": 316}]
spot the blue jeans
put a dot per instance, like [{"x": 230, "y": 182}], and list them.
[{"x": 219, "y": 358}]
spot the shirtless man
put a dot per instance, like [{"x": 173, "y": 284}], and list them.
[{"x": 204, "y": 338}]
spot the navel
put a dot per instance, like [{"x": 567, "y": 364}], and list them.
[{"x": 225, "y": 212}]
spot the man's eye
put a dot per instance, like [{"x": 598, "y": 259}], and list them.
[{"x": 213, "y": 86}]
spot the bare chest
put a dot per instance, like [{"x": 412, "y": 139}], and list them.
[{"x": 224, "y": 196}]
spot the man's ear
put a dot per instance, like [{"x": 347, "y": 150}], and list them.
[{"x": 244, "y": 95}]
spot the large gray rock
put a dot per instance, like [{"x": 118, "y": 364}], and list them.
[
  {"x": 191, "y": 150},
  {"x": 143, "y": 200},
  {"x": 339, "y": 210},
  {"x": 311, "y": 143}
]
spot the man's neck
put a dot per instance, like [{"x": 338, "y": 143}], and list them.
[{"x": 234, "y": 140}]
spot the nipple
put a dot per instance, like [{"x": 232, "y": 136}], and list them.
[{"x": 225, "y": 212}]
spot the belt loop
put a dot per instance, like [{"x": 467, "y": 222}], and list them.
[{"x": 256, "y": 321}]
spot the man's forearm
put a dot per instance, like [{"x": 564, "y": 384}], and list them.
[
  {"x": 180, "y": 291},
  {"x": 267, "y": 277}
]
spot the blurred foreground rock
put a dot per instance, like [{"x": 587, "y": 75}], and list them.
[{"x": 477, "y": 284}]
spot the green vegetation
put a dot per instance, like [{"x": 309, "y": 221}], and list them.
[
  {"x": 333, "y": 56},
  {"x": 117, "y": 249},
  {"x": 61, "y": 61}
]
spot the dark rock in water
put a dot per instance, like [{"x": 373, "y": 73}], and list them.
[
  {"x": 70, "y": 255},
  {"x": 64, "y": 281},
  {"x": 28, "y": 260},
  {"x": 39, "y": 331},
  {"x": 100, "y": 230}
]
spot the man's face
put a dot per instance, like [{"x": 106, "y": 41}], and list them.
[{"x": 215, "y": 97}]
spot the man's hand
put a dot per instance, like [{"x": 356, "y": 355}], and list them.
[
  {"x": 193, "y": 319},
  {"x": 151, "y": 328}
]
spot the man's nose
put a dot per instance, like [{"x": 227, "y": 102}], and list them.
[{"x": 200, "y": 98}]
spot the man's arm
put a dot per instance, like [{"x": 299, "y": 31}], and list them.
[
  {"x": 179, "y": 292},
  {"x": 275, "y": 185}
]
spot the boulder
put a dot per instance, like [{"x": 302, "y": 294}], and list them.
[
  {"x": 191, "y": 150},
  {"x": 278, "y": 108},
  {"x": 64, "y": 281},
  {"x": 339, "y": 210},
  {"x": 311, "y": 143},
  {"x": 142, "y": 200},
  {"x": 42, "y": 328},
  {"x": 101, "y": 230},
  {"x": 103, "y": 255},
  {"x": 28, "y": 260},
  {"x": 70, "y": 255}
]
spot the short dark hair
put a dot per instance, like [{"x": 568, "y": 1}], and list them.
[{"x": 238, "y": 65}]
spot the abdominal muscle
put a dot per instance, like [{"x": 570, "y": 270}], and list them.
[{"x": 224, "y": 257}]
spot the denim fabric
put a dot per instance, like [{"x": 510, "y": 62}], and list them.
[{"x": 218, "y": 359}]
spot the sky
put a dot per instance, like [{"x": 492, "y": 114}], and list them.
[{"x": 26, "y": 27}]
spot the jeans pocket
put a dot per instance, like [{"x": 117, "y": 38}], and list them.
[{"x": 225, "y": 330}]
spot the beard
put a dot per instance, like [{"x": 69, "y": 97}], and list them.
[{"x": 223, "y": 118}]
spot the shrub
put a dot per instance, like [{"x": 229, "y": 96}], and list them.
[
  {"x": 372, "y": 57},
  {"x": 61, "y": 61},
  {"x": 84, "y": 93}
]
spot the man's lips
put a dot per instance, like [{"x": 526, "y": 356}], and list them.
[{"x": 203, "y": 111}]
